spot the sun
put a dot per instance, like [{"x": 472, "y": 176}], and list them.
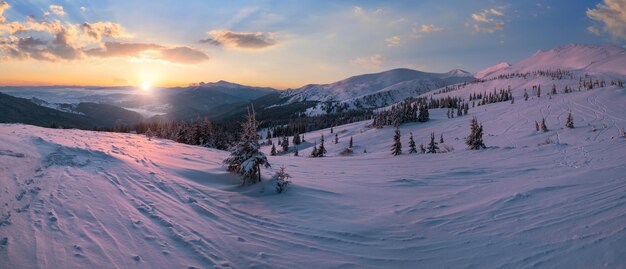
[{"x": 146, "y": 86}]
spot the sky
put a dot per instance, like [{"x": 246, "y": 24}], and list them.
[{"x": 282, "y": 44}]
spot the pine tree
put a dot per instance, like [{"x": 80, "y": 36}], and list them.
[
  {"x": 321, "y": 151},
  {"x": 268, "y": 136},
  {"x": 412, "y": 146},
  {"x": 396, "y": 148},
  {"x": 570, "y": 121},
  {"x": 296, "y": 139},
  {"x": 331, "y": 130},
  {"x": 432, "y": 146},
  {"x": 475, "y": 138},
  {"x": 539, "y": 91},
  {"x": 273, "y": 152},
  {"x": 441, "y": 139},
  {"x": 285, "y": 144},
  {"x": 350, "y": 144},
  {"x": 336, "y": 139},
  {"x": 246, "y": 159}
]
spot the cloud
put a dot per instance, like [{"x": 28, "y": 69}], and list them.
[
  {"x": 368, "y": 62},
  {"x": 429, "y": 28},
  {"x": 83, "y": 9},
  {"x": 612, "y": 15},
  {"x": 148, "y": 52},
  {"x": 55, "y": 41},
  {"x": 57, "y": 10},
  {"x": 485, "y": 20},
  {"x": 393, "y": 41},
  {"x": 3, "y": 6},
  {"x": 240, "y": 40}
]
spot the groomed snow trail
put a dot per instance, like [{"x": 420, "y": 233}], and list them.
[{"x": 79, "y": 199}]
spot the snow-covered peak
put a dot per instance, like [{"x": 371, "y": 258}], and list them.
[
  {"x": 587, "y": 58},
  {"x": 490, "y": 70},
  {"x": 459, "y": 73}
]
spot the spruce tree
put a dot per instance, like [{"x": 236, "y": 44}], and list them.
[
  {"x": 475, "y": 138},
  {"x": 432, "y": 146},
  {"x": 285, "y": 144},
  {"x": 350, "y": 144},
  {"x": 296, "y": 139},
  {"x": 412, "y": 146},
  {"x": 314, "y": 151},
  {"x": 396, "y": 148},
  {"x": 570, "y": 121},
  {"x": 273, "y": 152},
  {"x": 246, "y": 159},
  {"x": 441, "y": 139},
  {"x": 321, "y": 151},
  {"x": 336, "y": 139}
]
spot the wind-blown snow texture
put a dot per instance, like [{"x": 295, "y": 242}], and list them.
[{"x": 80, "y": 199}]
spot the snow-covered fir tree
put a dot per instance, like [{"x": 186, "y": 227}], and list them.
[
  {"x": 543, "y": 126},
  {"x": 350, "y": 144},
  {"x": 273, "y": 151},
  {"x": 321, "y": 151},
  {"x": 396, "y": 147},
  {"x": 441, "y": 139},
  {"x": 432, "y": 146},
  {"x": 336, "y": 139},
  {"x": 285, "y": 144},
  {"x": 246, "y": 159},
  {"x": 570, "y": 121},
  {"x": 412, "y": 146},
  {"x": 475, "y": 138}
]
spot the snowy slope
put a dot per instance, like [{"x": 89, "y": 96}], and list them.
[
  {"x": 591, "y": 59},
  {"x": 394, "y": 84},
  {"x": 79, "y": 199},
  {"x": 490, "y": 70}
]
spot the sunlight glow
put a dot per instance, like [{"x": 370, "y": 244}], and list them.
[{"x": 145, "y": 86}]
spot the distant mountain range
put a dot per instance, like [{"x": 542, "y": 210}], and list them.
[{"x": 225, "y": 101}]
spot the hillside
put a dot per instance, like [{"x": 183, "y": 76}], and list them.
[
  {"x": 376, "y": 90},
  {"x": 80, "y": 199},
  {"x": 592, "y": 59}
]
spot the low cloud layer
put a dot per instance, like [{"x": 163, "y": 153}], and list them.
[
  {"x": 55, "y": 41},
  {"x": 488, "y": 20},
  {"x": 241, "y": 40},
  {"x": 611, "y": 15}
]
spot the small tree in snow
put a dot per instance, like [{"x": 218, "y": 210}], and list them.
[
  {"x": 149, "y": 134},
  {"x": 295, "y": 153},
  {"x": 396, "y": 148},
  {"x": 570, "y": 121},
  {"x": 412, "y": 146},
  {"x": 475, "y": 138},
  {"x": 432, "y": 146},
  {"x": 282, "y": 180},
  {"x": 441, "y": 139},
  {"x": 285, "y": 144},
  {"x": 350, "y": 144},
  {"x": 543, "y": 126},
  {"x": 321, "y": 151},
  {"x": 246, "y": 159},
  {"x": 336, "y": 139},
  {"x": 422, "y": 149},
  {"x": 314, "y": 151},
  {"x": 273, "y": 152}
]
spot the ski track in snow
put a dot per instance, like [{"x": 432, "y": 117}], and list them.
[{"x": 79, "y": 199}]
